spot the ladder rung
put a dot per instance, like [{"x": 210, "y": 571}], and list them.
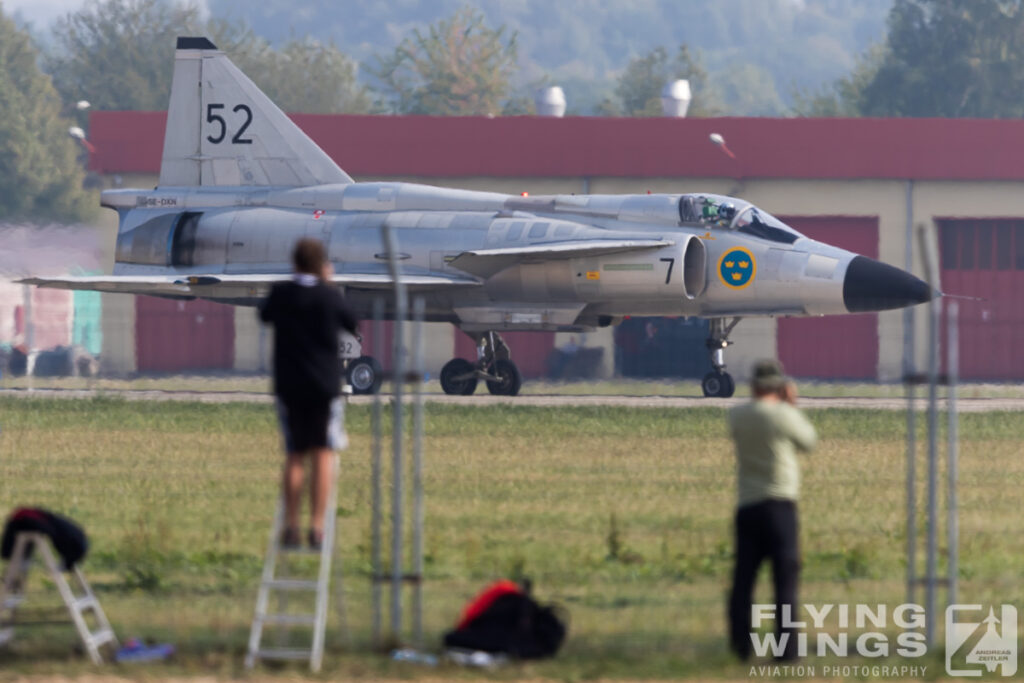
[
  {"x": 102, "y": 636},
  {"x": 291, "y": 585},
  {"x": 299, "y": 550},
  {"x": 82, "y": 604},
  {"x": 290, "y": 619},
  {"x": 284, "y": 653}
]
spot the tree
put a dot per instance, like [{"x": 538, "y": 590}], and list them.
[
  {"x": 638, "y": 89},
  {"x": 459, "y": 67},
  {"x": 584, "y": 44},
  {"x": 118, "y": 54},
  {"x": 842, "y": 98},
  {"x": 304, "y": 75},
  {"x": 40, "y": 175},
  {"x": 951, "y": 58}
]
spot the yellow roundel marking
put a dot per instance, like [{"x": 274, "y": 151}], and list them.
[{"x": 737, "y": 268}]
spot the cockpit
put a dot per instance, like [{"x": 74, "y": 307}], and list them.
[{"x": 729, "y": 213}]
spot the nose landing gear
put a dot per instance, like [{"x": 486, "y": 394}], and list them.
[
  {"x": 719, "y": 383},
  {"x": 494, "y": 365}
]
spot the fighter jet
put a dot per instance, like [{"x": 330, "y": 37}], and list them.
[{"x": 240, "y": 183}]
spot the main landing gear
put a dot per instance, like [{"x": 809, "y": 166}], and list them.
[
  {"x": 459, "y": 377},
  {"x": 719, "y": 383}
]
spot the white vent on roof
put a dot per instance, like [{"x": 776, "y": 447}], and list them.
[
  {"x": 675, "y": 98},
  {"x": 550, "y": 101}
]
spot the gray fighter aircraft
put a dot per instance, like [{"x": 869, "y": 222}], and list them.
[{"x": 240, "y": 183}]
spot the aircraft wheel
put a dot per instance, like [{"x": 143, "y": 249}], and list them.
[
  {"x": 458, "y": 377},
  {"x": 730, "y": 387},
  {"x": 718, "y": 384},
  {"x": 364, "y": 375},
  {"x": 509, "y": 380}
]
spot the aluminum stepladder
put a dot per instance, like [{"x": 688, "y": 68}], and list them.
[
  {"x": 12, "y": 594},
  {"x": 271, "y": 582}
]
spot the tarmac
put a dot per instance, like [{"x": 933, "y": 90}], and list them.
[{"x": 964, "y": 405}]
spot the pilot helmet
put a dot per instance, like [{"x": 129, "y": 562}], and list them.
[{"x": 727, "y": 210}]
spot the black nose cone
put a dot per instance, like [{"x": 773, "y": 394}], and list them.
[{"x": 874, "y": 286}]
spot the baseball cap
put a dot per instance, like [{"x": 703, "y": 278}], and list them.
[{"x": 768, "y": 375}]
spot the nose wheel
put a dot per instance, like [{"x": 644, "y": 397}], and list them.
[
  {"x": 718, "y": 383},
  {"x": 459, "y": 377}
]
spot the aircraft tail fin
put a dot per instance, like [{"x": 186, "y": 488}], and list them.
[{"x": 223, "y": 131}]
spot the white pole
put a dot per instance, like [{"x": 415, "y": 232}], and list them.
[
  {"x": 909, "y": 375},
  {"x": 30, "y": 335},
  {"x": 952, "y": 371},
  {"x": 418, "y": 307},
  {"x": 375, "y": 479},
  {"x": 397, "y": 479},
  {"x": 934, "y": 312}
]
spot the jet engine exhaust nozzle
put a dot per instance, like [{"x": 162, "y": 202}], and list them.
[{"x": 874, "y": 286}]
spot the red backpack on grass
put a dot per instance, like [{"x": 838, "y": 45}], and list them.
[{"x": 504, "y": 619}]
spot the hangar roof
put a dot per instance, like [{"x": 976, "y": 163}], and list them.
[{"x": 532, "y": 146}]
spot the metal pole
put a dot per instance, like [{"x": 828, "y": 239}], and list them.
[
  {"x": 911, "y": 482},
  {"x": 30, "y": 335},
  {"x": 418, "y": 308},
  {"x": 934, "y": 310},
  {"x": 952, "y": 433},
  {"x": 909, "y": 370},
  {"x": 398, "y": 380},
  {"x": 375, "y": 477}
]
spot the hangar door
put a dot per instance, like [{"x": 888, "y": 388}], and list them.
[
  {"x": 833, "y": 346},
  {"x": 176, "y": 336},
  {"x": 985, "y": 259}
]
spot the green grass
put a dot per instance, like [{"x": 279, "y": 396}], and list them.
[{"x": 622, "y": 515}]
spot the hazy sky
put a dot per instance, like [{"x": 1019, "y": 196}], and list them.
[{"x": 40, "y": 13}]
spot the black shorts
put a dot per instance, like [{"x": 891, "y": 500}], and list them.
[{"x": 308, "y": 426}]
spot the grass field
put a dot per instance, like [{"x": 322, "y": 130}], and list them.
[{"x": 621, "y": 515}]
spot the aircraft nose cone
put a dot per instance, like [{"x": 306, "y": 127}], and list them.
[{"x": 874, "y": 286}]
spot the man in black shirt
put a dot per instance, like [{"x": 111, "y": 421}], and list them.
[{"x": 308, "y": 314}]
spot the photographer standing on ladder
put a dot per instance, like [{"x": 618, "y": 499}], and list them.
[{"x": 308, "y": 314}]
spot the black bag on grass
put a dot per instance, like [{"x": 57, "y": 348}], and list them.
[
  {"x": 510, "y": 622},
  {"x": 68, "y": 538}
]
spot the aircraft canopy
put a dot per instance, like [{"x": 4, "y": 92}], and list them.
[{"x": 729, "y": 213}]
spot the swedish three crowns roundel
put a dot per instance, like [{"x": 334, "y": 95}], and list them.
[{"x": 737, "y": 268}]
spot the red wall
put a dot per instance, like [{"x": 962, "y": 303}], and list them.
[
  {"x": 177, "y": 336},
  {"x": 623, "y": 147},
  {"x": 366, "y": 330},
  {"x": 833, "y": 346},
  {"x": 530, "y": 350}
]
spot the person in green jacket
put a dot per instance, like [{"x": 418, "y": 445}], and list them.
[{"x": 768, "y": 431}]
